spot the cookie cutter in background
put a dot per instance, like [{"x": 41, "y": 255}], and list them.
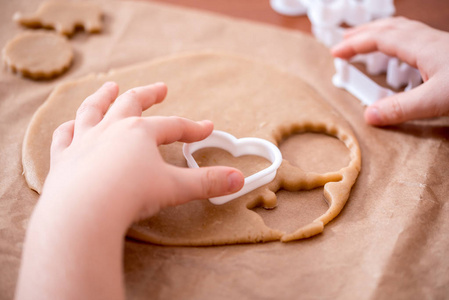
[
  {"x": 289, "y": 7},
  {"x": 238, "y": 147},
  {"x": 326, "y": 17},
  {"x": 366, "y": 90}
]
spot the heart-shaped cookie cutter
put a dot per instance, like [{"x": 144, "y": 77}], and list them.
[{"x": 238, "y": 147}]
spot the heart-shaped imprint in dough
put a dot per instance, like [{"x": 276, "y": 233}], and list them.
[
  {"x": 242, "y": 97},
  {"x": 239, "y": 147}
]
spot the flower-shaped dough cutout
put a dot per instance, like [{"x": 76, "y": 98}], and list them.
[
  {"x": 63, "y": 16},
  {"x": 38, "y": 54},
  {"x": 242, "y": 97}
]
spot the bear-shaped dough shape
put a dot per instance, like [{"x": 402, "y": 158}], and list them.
[{"x": 63, "y": 16}]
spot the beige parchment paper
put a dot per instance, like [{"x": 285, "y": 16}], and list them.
[{"x": 390, "y": 241}]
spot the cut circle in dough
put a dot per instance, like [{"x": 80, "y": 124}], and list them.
[
  {"x": 241, "y": 96},
  {"x": 38, "y": 54}
]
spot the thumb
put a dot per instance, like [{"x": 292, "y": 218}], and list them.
[
  {"x": 418, "y": 103},
  {"x": 207, "y": 182},
  {"x": 62, "y": 138}
]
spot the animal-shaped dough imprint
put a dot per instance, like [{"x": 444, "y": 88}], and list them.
[
  {"x": 63, "y": 16},
  {"x": 38, "y": 54},
  {"x": 243, "y": 97}
]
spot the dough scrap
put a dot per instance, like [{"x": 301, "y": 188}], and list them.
[
  {"x": 63, "y": 16},
  {"x": 38, "y": 54},
  {"x": 242, "y": 97}
]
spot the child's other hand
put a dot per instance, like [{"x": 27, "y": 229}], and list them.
[
  {"x": 108, "y": 160},
  {"x": 418, "y": 45}
]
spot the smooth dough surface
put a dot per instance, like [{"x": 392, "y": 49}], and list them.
[
  {"x": 63, "y": 16},
  {"x": 242, "y": 97},
  {"x": 38, "y": 54}
]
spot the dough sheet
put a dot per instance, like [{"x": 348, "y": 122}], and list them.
[{"x": 241, "y": 96}]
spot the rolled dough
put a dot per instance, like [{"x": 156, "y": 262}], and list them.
[{"x": 242, "y": 97}]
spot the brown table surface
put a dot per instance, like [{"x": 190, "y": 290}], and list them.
[{"x": 432, "y": 12}]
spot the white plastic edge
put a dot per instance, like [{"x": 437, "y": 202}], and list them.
[
  {"x": 366, "y": 90},
  {"x": 289, "y": 7},
  {"x": 238, "y": 147},
  {"x": 326, "y": 16}
]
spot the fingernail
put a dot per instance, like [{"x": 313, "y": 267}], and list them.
[
  {"x": 372, "y": 115},
  {"x": 109, "y": 85},
  {"x": 160, "y": 83},
  {"x": 205, "y": 122},
  {"x": 235, "y": 182},
  {"x": 335, "y": 48}
]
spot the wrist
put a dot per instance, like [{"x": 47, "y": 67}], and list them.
[
  {"x": 90, "y": 207},
  {"x": 67, "y": 244}
]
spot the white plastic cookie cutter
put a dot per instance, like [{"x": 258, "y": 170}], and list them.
[
  {"x": 327, "y": 16},
  {"x": 366, "y": 90},
  {"x": 238, "y": 147}
]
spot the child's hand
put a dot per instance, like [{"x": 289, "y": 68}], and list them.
[
  {"x": 106, "y": 172},
  {"x": 110, "y": 159},
  {"x": 416, "y": 44}
]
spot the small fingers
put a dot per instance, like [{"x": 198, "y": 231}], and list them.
[
  {"x": 206, "y": 182},
  {"x": 92, "y": 110},
  {"x": 357, "y": 41},
  {"x": 392, "y": 36},
  {"x": 377, "y": 25},
  {"x": 62, "y": 138},
  {"x": 424, "y": 101},
  {"x": 177, "y": 129},
  {"x": 134, "y": 101},
  {"x": 353, "y": 46}
]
